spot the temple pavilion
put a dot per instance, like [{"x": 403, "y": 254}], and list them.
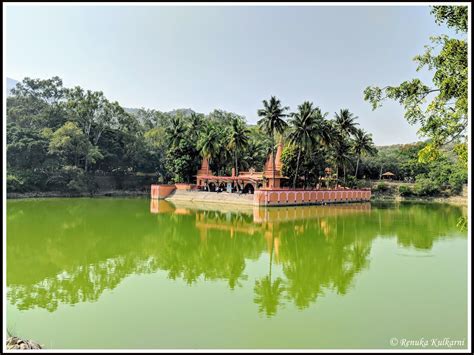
[{"x": 245, "y": 181}]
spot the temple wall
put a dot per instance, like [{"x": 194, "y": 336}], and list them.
[
  {"x": 308, "y": 197},
  {"x": 266, "y": 197},
  {"x": 185, "y": 187}
]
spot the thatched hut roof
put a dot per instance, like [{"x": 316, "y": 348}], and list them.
[{"x": 388, "y": 173}]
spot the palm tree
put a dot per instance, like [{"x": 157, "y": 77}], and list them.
[
  {"x": 209, "y": 142},
  {"x": 272, "y": 121},
  {"x": 345, "y": 122},
  {"x": 176, "y": 130},
  {"x": 303, "y": 131},
  {"x": 342, "y": 154},
  {"x": 238, "y": 139},
  {"x": 362, "y": 144},
  {"x": 196, "y": 121}
]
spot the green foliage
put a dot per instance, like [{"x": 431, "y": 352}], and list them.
[
  {"x": 381, "y": 187},
  {"x": 14, "y": 183},
  {"x": 424, "y": 186},
  {"x": 59, "y": 138},
  {"x": 461, "y": 152},
  {"x": 444, "y": 118},
  {"x": 72, "y": 145},
  {"x": 405, "y": 191},
  {"x": 454, "y": 16},
  {"x": 288, "y": 158},
  {"x": 304, "y": 131}
]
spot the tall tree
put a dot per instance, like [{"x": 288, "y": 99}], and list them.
[
  {"x": 342, "y": 156},
  {"x": 303, "y": 130},
  {"x": 445, "y": 118},
  {"x": 362, "y": 144},
  {"x": 176, "y": 131},
  {"x": 71, "y": 143},
  {"x": 272, "y": 121},
  {"x": 238, "y": 139},
  {"x": 345, "y": 122},
  {"x": 209, "y": 142}
]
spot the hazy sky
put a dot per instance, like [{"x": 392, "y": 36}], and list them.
[{"x": 227, "y": 57}]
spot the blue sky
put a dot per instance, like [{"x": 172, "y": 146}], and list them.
[{"x": 227, "y": 57}]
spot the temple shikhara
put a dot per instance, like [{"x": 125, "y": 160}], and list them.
[{"x": 245, "y": 181}]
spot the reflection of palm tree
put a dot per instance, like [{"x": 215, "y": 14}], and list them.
[{"x": 268, "y": 293}]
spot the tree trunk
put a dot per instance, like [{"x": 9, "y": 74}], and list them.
[
  {"x": 297, "y": 167},
  {"x": 236, "y": 165},
  {"x": 344, "y": 171},
  {"x": 271, "y": 257},
  {"x": 273, "y": 159},
  {"x": 357, "y": 166}
]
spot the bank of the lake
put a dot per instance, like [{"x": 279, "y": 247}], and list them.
[
  {"x": 391, "y": 193},
  {"x": 461, "y": 200},
  {"x": 63, "y": 194}
]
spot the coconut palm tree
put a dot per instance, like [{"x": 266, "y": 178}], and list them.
[
  {"x": 362, "y": 144},
  {"x": 238, "y": 136},
  {"x": 303, "y": 130},
  {"x": 272, "y": 120},
  {"x": 209, "y": 142},
  {"x": 176, "y": 130},
  {"x": 196, "y": 121},
  {"x": 342, "y": 156},
  {"x": 345, "y": 122}
]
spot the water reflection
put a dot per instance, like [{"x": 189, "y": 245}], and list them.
[{"x": 71, "y": 251}]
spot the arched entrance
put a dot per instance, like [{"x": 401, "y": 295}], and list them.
[
  {"x": 248, "y": 189},
  {"x": 212, "y": 187}
]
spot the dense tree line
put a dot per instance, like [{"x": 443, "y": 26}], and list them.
[
  {"x": 59, "y": 139},
  {"x": 445, "y": 175}
]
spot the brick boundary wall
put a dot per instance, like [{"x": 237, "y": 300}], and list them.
[{"x": 308, "y": 197}]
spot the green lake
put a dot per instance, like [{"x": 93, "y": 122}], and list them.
[{"x": 133, "y": 273}]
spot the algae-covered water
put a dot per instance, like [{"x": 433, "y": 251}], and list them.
[{"x": 133, "y": 273}]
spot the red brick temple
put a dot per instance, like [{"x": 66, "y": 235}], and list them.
[
  {"x": 266, "y": 191},
  {"x": 246, "y": 181}
]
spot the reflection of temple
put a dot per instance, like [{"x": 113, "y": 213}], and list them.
[
  {"x": 259, "y": 221},
  {"x": 259, "y": 214},
  {"x": 248, "y": 181}
]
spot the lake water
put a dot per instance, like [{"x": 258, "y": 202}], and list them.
[{"x": 134, "y": 273}]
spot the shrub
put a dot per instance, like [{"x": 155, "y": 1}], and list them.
[
  {"x": 426, "y": 187},
  {"x": 75, "y": 177},
  {"x": 351, "y": 182},
  {"x": 381, "y": 187},
  {"x": 456, "y": 180},
  {"x": 14, "y": 183},
  {"x": 405, "y": 190}
]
